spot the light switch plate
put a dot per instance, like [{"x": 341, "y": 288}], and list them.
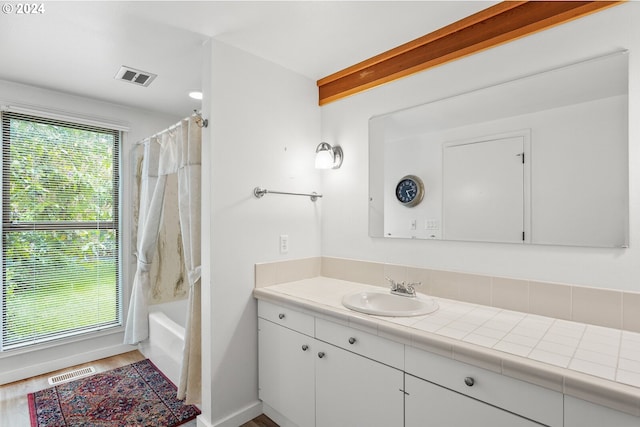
[{"x": 284, "y": 243}]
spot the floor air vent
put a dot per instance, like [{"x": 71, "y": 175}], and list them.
[
  {"x": 71, "y": 375},
  {"x": 137, "y": 77}
]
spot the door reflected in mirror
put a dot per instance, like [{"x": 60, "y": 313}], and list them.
[{"x": 537, "y": 160}]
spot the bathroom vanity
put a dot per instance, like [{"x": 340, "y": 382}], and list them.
[{"x": 323, "y": 365}]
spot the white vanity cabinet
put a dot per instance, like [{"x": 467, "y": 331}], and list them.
[
  {"x": 286, "y": 362},
  {"x": 428, "y": 404},
  {"x": 352, "y": 390},
  {"x": 447, "y": 389},
  {"x": 319, "y": 373},
  {"x": 578, "y": 413},
  {"x": 286, "y": 372},
  {"x": 365, "y": 377},
  {"x": 312, "y": 382}
]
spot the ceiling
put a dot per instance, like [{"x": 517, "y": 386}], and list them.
[{"x": 77, "y": 47}]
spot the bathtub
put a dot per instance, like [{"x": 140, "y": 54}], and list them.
[{"x": 166, "y": 337}]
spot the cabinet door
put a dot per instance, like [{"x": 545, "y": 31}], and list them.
[
  {"x": 286, "y": 372},
  {"x": 352, "y": 390},
  {"x": 427, "y": 405},
  {"x": 578, "y": 413}
]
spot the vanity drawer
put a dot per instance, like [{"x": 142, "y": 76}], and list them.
[
  {"x": 363, "y": 343},
  {"x": 522, "y": 398},
  {"x": 287, "y": 317}
]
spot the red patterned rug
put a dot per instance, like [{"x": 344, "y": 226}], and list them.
[{"x": 134, "y": 395}]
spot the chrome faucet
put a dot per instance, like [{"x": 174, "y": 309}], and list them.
[{"x": 403, "y": 289}]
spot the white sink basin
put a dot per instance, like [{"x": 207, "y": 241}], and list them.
[{"x": 381, "y": 303}]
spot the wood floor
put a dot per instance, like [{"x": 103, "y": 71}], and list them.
[
  {"x": 14, "y": 407},
  {"x": 261, "y": 421}
]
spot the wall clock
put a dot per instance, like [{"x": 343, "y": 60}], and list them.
[{"x": 410, "y": 191}]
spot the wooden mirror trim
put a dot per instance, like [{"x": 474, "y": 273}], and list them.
[{"x": 501, "y": 23}]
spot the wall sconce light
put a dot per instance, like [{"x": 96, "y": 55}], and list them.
[{"x": 328, "y": 157}]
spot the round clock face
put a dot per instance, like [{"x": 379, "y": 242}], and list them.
[{"x": 410, "y": 190}]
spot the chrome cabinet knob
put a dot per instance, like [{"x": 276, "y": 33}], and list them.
[
  {"x": 469, "y": 381},
  {"x": 352, "y": 340},
  {"x": 321, "y": 354},
  {"x": 305, "y": 347},
  {"x": 281, "y": 316}
]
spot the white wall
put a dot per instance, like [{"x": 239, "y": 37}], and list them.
[
  {"x": 18, "y": 364},
  {"x": 345, "y": 210},
  {"x": 263, "y": 131}
]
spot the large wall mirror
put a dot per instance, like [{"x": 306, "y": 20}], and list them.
[{"x": 537, "y": 160}]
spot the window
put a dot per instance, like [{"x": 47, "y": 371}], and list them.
[{"x": 60, "y": 252}]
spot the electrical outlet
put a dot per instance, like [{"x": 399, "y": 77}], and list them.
[
  {"x": 284, "y": 243},
  {"x": 432, "y": 224}
]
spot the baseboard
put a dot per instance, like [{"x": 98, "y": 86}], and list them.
[
  {"x": 236, "y": 419},
  {"x": 277, "y": 417},
  {"x": 202, "y": 422},
  {"x": 63, "y": 362}
]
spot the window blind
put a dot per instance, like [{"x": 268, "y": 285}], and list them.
[{"x": 60, "y": 237}]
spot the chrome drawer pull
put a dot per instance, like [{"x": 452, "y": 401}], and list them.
[
  {"x": 352, "y": 340},
  {"x": 305, "y": 347},
  {"x": 321, "y": 354},
  {"x": 281, "y": 316},
  {"x": 469, "y": 381}
]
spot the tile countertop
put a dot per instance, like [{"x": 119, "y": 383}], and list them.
[{"x": 594, "y": 363}]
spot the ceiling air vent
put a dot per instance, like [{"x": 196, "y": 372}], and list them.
[{"x": 137, "y": 77}]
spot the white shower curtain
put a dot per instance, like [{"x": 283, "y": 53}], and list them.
[
  {"x": 177, "y": 150},
  {"x": 149, "y": 217},
  {"x": 189, "y": 197}
]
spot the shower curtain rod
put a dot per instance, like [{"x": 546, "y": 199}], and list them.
[{"x": 200, "y": 121}]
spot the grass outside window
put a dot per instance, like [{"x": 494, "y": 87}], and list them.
[{"x": 60, "y": 237}]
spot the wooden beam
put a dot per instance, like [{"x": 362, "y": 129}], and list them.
[{"x": 501, "y": 23}]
